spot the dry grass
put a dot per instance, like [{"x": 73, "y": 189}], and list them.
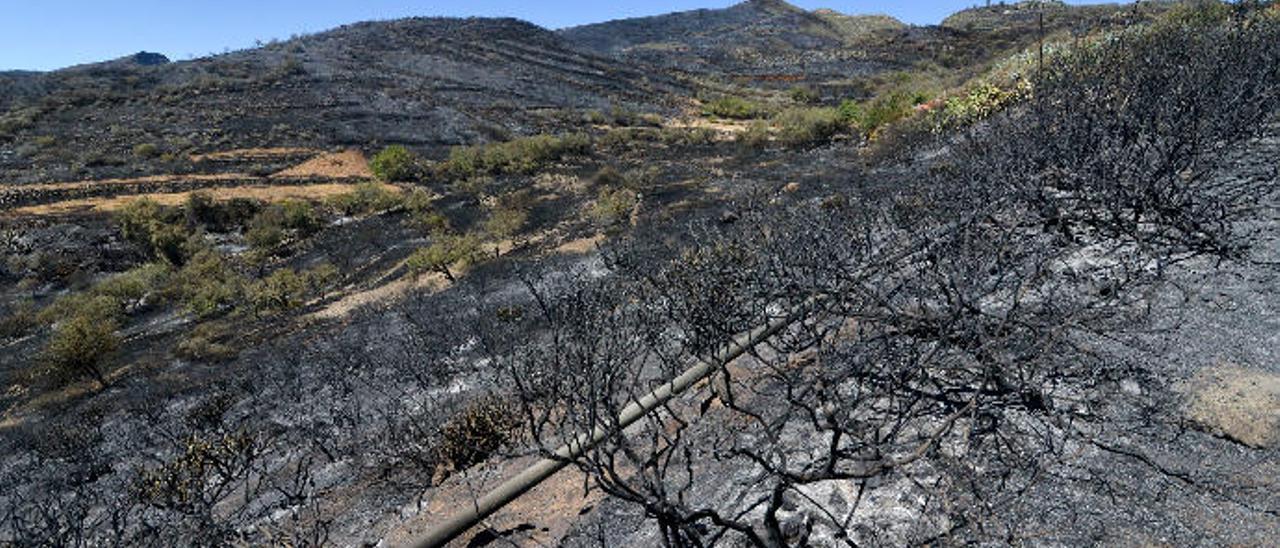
[
  {"x": 580, "y": 246},
  {"x": 265, "y": 193},
  {"x": 725, "y": 129},
  {"x": 337, "y": 165},
  {"x": 126, "y": 182},
  {"x": 391, "y": 291},
  {"x": 252, "y": 154}
]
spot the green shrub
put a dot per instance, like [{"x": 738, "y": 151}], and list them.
[
  {"x": 523, "y": 155},
  {"x": 673, "y": 136},
  {"x": 613, "y": 206},
  {"x": 19, "y": 321},
  {"x": 201, "y": 209},
  {"x": 281, "y": 291},
  {"x": 272, "y": 225},
  {"x": 367, "y": 198},
  {"x": 146, "y": 150},
  {"x": 395, "y": 163},
  {"x": 137, "y": 218},
  {"x": 444, "y": 252},
  {"x": 111, "y": 298},
  {"x": 804, "y": 95},
  {"x": 208, "y": 342},
  {"x": 755, "y": 137},
  {"x": 850, "y": 112},
  {"x": 80, "y": 346},
  {"x": 882, "y": 110},
  {"x": 732, "y": 107},
  {"x": 206, "y": 285},
  {"x": 430, "y": 222},
  {"x": 472, "y": 186},
  {"x": 152, "y": 227},
  {"x": 131, "y": 288},
  {"x": 505, "y": 222},
  {"x": 299, "y": 215},
  {"x": 980, "y": 102},
  {"x": 805, "y": 126},
  {"x": 419, "y": 201},
  {"x": 265, "y": 237}
]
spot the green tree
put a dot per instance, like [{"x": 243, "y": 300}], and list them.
[
  {"x": 395, "y": 163},
  {"x": 443, "y": 253},
  {"x": 81, "y": 345}
]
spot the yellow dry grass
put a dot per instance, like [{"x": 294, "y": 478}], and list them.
[
  {"x": 268, "y": 193},
  {"x": 252, "y": 154},
  {"x": 725, "y": 129},
  {"x": 381, "y": 294},
  {"x": 124, "y": 182},
  {"x": 337, "y": 165},
  {"x": 580, "y": 246}
]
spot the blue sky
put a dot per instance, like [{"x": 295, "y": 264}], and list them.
[{"x": 49, "y": 34}]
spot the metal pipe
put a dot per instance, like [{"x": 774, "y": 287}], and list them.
[{"x": 457, "y": 524}]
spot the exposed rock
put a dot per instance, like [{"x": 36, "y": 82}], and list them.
[{"x": 1236, "y": 403}]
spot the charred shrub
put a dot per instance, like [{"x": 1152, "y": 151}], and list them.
[{"x": 477, "y": 432}]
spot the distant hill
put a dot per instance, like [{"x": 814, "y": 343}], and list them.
[
  {"x": 773, "y": 43},
  {"x": 424, "y": 81},
  {"x": 765, "y": 39}
]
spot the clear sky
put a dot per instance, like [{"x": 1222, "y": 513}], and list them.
[{"x": 49, "y": 34}]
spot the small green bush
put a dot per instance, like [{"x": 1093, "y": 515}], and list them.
[
  {"x": 19, "y": 321},
  {"x": 131, "y": 288},
  {"x": 523, "y": 155},
  {"x": 755, "y": 137},
  {"x": 270, "y": 227},
  {"x": 201, "y": 209},
  {"x": 80, "y": 346},
  {"x": 806, "y": 126},
  {"x": 281, "y": 291},
  {"x": 206, "y": 285},
  {"x": 613, "y": 206},
  {"x": 419, "y": 201},
  {"x": 154, "y": 228},
  {"x": 146, "y": 151},
  {"x": 395, "y": 163},
  {"x": 208, "y": 342},
  {"x": 675, "y": 136},
  {"x": 444, "y": 252},
  {"x": 733, "y": 107},
  {"x": 804, "y": 95},
  {"x": 111, "y": 298},
  {"x": 888, "y": 108},
  {"x": 137, "y": 218},
  {"x": 505, "y": 222},
  {"x": 850, "y": 112},
  {"x": 367, "y": 198}
]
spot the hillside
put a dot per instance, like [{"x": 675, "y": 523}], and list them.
[
  {"x": 757, "y": 39},
  {"x": 426, "y": 82},
  {"x": 774, "y": 44},
  {"x": 755, "y": 276}
]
